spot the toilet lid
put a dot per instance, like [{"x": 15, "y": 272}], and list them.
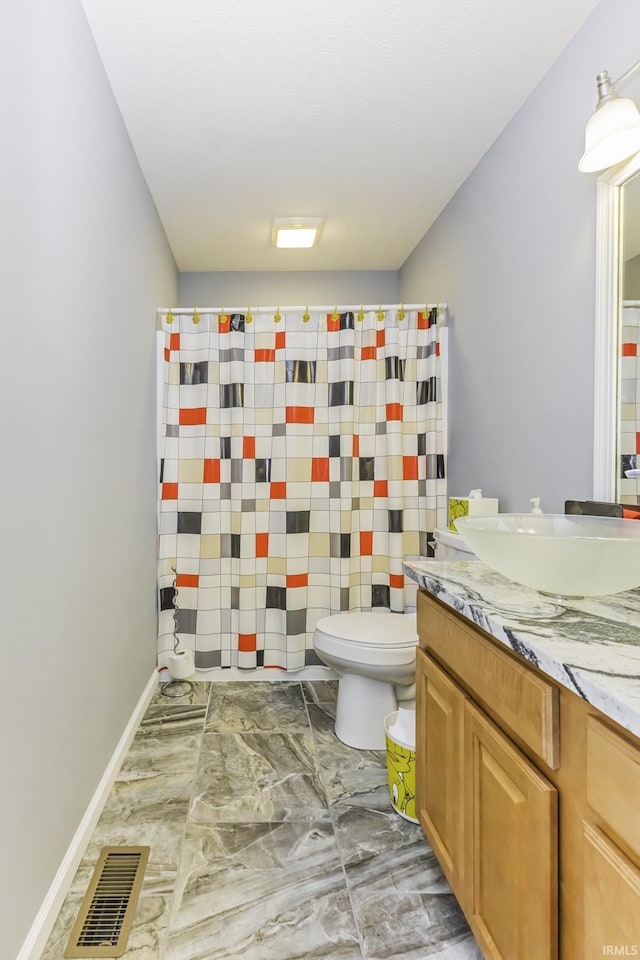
[{"x": 375, "y": 629}]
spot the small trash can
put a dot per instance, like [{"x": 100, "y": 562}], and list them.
[{"x": 399, "y": 730}]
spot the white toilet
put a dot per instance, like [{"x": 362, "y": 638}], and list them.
[
  {"x": 374, "y": 656},
  {"x": 449, "y": 545},
  {"x": 372, "y": 653}
]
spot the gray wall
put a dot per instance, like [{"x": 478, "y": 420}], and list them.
[
  {"x": 84, "y": 264},
  {"x": 288, "y": 288},
  {"x": 514, "y": 255}
]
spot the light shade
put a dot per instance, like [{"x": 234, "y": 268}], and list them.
[
  {"x": 612, "y": 133},
  {"x": 296, "y": 232}
]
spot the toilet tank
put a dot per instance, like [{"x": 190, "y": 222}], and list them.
[
  {"x": 451, "y": 546},
  {"x": 448, "y": 546}
]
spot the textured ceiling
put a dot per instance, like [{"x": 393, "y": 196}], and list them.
[{"x": 369, "y": 113}]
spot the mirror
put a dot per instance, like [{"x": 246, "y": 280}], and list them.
[
  {"x": 617, "y": 348},
  {"x": 628, "y": 412}
]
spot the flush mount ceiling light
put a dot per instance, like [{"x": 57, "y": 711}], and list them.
[
  {"x": 612, "y": 133},
  {"x": 291, "y": 232}
]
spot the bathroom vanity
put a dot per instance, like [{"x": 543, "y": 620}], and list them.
[{"x": 528, "y": 761}]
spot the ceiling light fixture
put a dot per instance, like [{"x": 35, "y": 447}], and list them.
[
  {"x": 612, "y": 133},
  {"x": 292, "y": 232}
]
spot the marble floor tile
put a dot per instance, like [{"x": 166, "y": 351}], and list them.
[
  {"x": 270, "y": 839},
  {"x": 320, "y": 691},
  {"x": 260, "y": 707},
  {"x": 383, "y": 852},
  {"x": 257, "y": 777},
  {"x": 347, "y": 774},
  {"x": 262, "y": 891},
  {"x": 146, "y": 809},
  {"x": 164, "y": 837},
  {"x": 254, "y": 850},
  {"x": 413, "y": 927},
  {"x": 322, "y": 716},
  {"x": 149, "y": 797},
  {"x": 287, "y": 927},
  {"x": 163, "y": 748},
  {"x": 166, "y": 709}
]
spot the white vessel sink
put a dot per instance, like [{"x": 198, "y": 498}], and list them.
[{"x": 569, "y": 556}]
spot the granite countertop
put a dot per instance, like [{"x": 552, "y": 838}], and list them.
[{"x": 590, "y": 645}]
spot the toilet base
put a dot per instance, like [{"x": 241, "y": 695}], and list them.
[{"x": 361, "y": 708}]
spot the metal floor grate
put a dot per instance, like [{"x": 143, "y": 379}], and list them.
[{"x": 103, "y": 924}]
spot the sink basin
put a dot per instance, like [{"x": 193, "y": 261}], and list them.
[{"x": 569, "y": 556}]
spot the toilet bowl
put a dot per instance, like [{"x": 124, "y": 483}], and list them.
[{"x": 374, "y": 657}]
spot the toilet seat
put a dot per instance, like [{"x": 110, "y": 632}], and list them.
[{"x": 374, "y": 638}]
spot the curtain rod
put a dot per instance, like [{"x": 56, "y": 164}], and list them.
[{"x": 188, "y": 311}]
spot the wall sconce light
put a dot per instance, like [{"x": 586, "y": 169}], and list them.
[
  {"x": 292, "y": 232},
  {"x": 612, "y": 133}
]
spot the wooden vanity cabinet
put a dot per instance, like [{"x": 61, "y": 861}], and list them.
[
  {"x": 611, "y": 838},
  {"x": 491, "y": 819},
  {"x": 529, "y": 798},
  {"x": 439, "y": 766}
]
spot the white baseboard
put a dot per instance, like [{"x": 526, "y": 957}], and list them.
[
  {"x": 43, "y": 924},
  {"x": 219, "y": 675}
]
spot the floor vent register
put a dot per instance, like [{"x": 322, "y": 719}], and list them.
[{"x": 104, "y": 922}]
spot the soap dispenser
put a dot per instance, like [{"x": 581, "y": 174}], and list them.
[{"x": 536, "y": 505}]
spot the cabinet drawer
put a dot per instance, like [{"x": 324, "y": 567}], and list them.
[
  {"x": 613, "y": 781},
  {"x": 527, "y": 705}
]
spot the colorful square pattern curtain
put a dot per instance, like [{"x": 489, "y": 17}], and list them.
[{"x": 303, "y": 461}]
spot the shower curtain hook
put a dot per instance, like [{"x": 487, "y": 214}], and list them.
[
  {"x": 196, "y": 316},
  {"x": 360, "y": 314},
  {"x": 249, "y": 316},
  {"x": 401, "y": 312},
  {"x": 380, "y": 313},
  {"x": 277, "y": 317},
  {"x": 306, "y": 316},
  {"x": 169, "y": 316}
]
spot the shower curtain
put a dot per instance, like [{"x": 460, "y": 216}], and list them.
[{"x": 303, "y": 460}]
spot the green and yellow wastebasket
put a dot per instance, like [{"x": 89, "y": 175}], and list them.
[{"x": 399, "y": 730}]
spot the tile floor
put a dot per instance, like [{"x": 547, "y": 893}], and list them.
[{"x": 270, "y": 839}]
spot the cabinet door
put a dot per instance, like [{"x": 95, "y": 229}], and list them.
[
  {"x": 611, "y": 899},
  {"x": 511, "y": 843},
  {"x": 439, "y": 792}
]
